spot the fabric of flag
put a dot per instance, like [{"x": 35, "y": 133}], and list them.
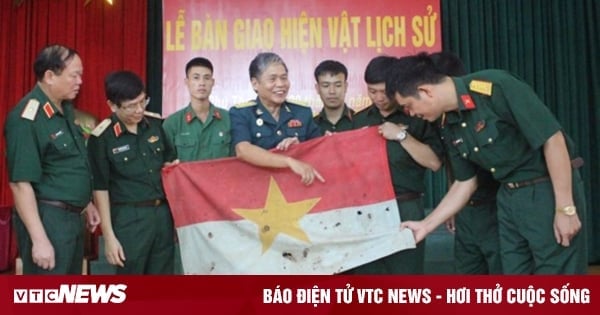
[{"x": 235, "y": 218}]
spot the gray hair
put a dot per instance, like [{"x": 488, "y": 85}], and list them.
[{"x": 262, "y": 61}]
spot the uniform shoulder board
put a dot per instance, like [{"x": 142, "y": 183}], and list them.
[
  {"x": 101, "y": 127},
  {"x": 153, "y": 115},
  {"x": 245, "y": 104},
  {"x": 31, "y": 109},
  {"x": 299, "y": 103},
  {"x": 481, "y": 87}
]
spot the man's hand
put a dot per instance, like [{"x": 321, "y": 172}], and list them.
[
  {"x": 287, "y": 143},
  {"x": 565, "y": 228},
  {"x": 42, "y": 254},
  {"x": 92, "y": 217},
  {"x": 305, "y": 170}
]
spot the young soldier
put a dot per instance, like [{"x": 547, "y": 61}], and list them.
[
  {"x": 127, "y": 152},
  {"x": 491, "y": 119},
  {"x": 200, "y": 131},
  {"x": 476, "y": 242},
  {"x": 412, "y": 147},
  {"x": 332, "y": 84},
  {"x": 48, "y": 167}
]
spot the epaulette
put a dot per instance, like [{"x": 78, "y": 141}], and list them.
[
  {"x": 298, "y": 102},
  {"x": 245, "y": 104},
  {"x": 31, "y": 109},
  {"x": 101, "y": 127},
  {"x": 481, "y": 87},
  {"x": 153, "y": 115}
]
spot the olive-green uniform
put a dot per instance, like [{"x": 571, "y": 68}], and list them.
[
  {"x": 46, "y": 148},
  {"x": 196, "y": 140},
  {"x": 501, "y": 126},
  {"x": 128, "y": 166},
  {"x": 346, "y": 122},
  {"x": 476, "y": 242},
  {"x": 409, "y": 185}
]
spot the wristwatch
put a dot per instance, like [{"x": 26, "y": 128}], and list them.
[
  {"x": 568, "y": 210},
  {"x": 401, "y": 135}
]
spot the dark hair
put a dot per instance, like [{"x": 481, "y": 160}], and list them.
[
  {"x": 377, "y": 69},
  {"x": 53, "y": 58},
  {"x": 332, "y": 67},
  {"x": 198, "y": 62},
  {"x": 448, "y": 63},
  {"x": 408, "y": 73},
  {"x": 122, "y": 86},
  {"x": 262, "y": 61}
]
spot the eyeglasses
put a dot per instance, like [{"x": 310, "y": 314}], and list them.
[{"x": 131, "y": 107}]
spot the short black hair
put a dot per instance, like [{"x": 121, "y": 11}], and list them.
[
  {"x": 378, "y": 68},
  {"x": 198, "y": 62},
  {"x": 121, "y": 86},
  {"x": 409, "y": 72},
  {"x": 449, "y": 63},
  {"x": 53, "y": 58},
  {"x": 333, "y": 67}
]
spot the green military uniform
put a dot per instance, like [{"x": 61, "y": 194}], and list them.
[
  {"x": 196, "y": 140},
  {"x": 46, "y": 148},
  {"x": 409, "y": 186},
  {"x": 346, "y": 122},
  {"x": 476, "y": 243},
  {"x": 501, "y": 126},
  {"x": 128, "y": 166}
]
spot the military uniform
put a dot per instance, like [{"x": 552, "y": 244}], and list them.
[
  {"x": 252, "y": 122},
  {"x": 196, "y": 140},
  {"x": 501, "y": 126},
  {"x": 47, "y": 149},
  {"x": 346, "y": 122},
  {"x": 128, "y": 166},
  {"x": 476, "y": 242},
  {"x": 409, "y": 186}
]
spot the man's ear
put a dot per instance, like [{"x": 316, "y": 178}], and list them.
[{"x": 426, "y": 89}]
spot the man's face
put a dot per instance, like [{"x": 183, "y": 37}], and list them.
[
  {"x": 377, "y": 95},
  {"x": 66, "y": 85},
  {"x": 272, "y": 85},
  {"x": 199, "y": 82},
  {"x": 131, "y": 112},
  {"x": 332, "y": 89},
  {"x": 421, "y": 105}
]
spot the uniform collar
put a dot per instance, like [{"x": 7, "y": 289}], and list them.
[
  {"x": 348, "y": 113},
  {"x": 48, "y": 109},
  {"x": 189, "y": 114},
  {"x": 464, "y": 101},
  {"x": 285, "y": 113},
  {"x": 118, "y": 128}
]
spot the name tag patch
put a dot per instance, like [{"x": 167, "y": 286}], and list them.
[{"x": 121, "y": 149}]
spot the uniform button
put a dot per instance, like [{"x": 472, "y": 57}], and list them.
[
  {"x": 144, "y": 154},
  {"x": 157, "y": 149},
  {"x": 295, "y": 134},
  {"x": 279, "y": 132},
  {"x": 125, "y": 159},
  {"x": 490, "y": 140},
  {"x": 150, "y": 171},
  {"x": 476, "y": 149},
  {"x": 258, "y": 134},
  {"x": 492, "y": 170},
  {"x": 464, "y": 155},
  {"x": 64, "y": 144},
  {"x": 464, "y": 125}
]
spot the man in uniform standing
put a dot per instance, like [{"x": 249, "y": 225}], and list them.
[
  {"x": 491, "y": 119},
  {"x": 49, "y": 173},
  {"x": 127, "y": 153},
  {"x": 412, "y": 147},
  {"x": 200, "y": 131},
  {"x": 332, "y": 84}
]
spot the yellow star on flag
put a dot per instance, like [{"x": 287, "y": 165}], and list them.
[{"x": 278, "y": 216}]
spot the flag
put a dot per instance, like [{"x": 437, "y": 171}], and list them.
[{"x": 235, "y": 218}]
